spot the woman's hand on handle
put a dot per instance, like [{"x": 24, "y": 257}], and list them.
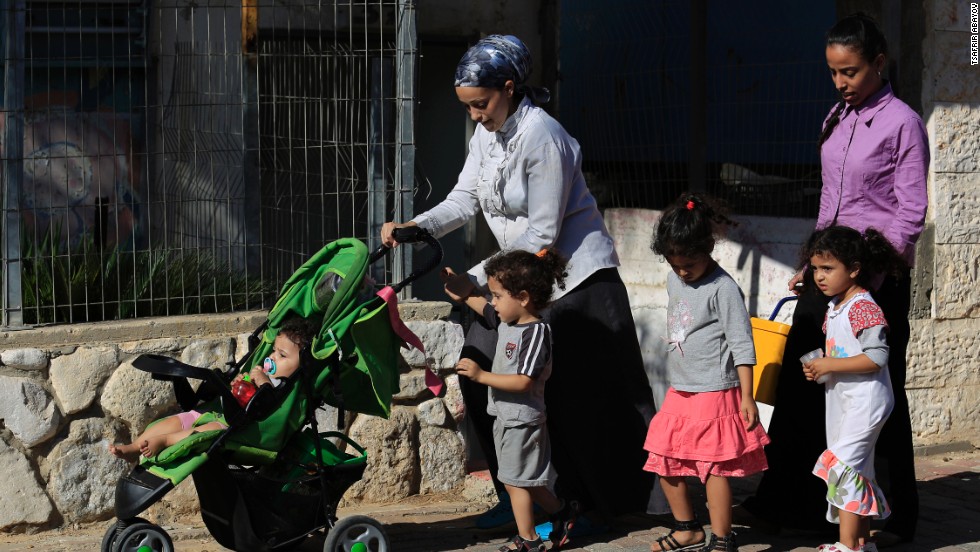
[
  {"x": 388, "y": 228},
  {"x": 796, "y": 280}
]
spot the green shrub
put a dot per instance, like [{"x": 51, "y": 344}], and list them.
[{"x": 87, "y": 283}]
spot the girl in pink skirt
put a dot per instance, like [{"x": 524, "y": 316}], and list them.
[{"x": 708, "y": 426}]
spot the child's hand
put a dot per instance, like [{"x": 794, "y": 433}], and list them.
[
  {"x": 258, "y": 376},
  {"x": 750, "y": 412},
  {"x": 467, "y": 367},
  {"x": 817, "y": 368},
  {"x": 458, "y": 286}
]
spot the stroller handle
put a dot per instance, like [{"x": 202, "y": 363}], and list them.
[{"x": 412, "y": 234}]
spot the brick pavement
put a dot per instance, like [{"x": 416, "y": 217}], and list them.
[
  {"x": 949, "y": 487},
  {"x": 949, "y": 484}
]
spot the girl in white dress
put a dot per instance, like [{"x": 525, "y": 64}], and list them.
[{"x": 854, "y": 372}]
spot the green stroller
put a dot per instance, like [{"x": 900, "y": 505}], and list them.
[{"x": 271, "y": 478}]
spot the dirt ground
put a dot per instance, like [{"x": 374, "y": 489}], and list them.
[{"x": 190, "y": 534}]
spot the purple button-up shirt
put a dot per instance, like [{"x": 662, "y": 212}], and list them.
[{"x": 874, "y": 166}]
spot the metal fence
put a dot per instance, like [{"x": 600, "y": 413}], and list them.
[
  {"x": 168, "y": 157},
  {"x": 727, "y": 97}
]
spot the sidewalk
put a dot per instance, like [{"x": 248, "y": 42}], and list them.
[{"x": 949, "y": 486}]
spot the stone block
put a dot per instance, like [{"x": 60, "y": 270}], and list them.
[
  {"x": 393, "y": 469},
  {"x": 208, "y": 353},
  {"x": 24, "y": 500},
  {"x": 151, "y": 346},
  {"x": 433, "y": 413},
  {"x": 441, "y": 460},
  {"x": 479, "y": 488},
  {"x": 25, "y": 359},
  {"x": 958, "y": 217},
  {"x": 965, "y": 401},
  {"x": 930, "y": 413},
  {"x": 957, "y": 281},
  {"x": 943, "y": 354},
  {"x": 412, "y": 386},
  {"x": 28, "y": 410},
  {"x": 83, "y": 475},
  {"x": 954, "y": 133},
  {"x": 137, "y": 399},
  {"x": 241, "y": 346},
  {"x": 442, "y": 340},
  {"x": 76, "y": 378},
  {"x": 453, "y": 398},
  {"x": 424, "y": 310},
  {"x": 953, "y": 78}
]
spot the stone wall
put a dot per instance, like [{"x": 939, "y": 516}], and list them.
[
  {"x": 944, "y": 369},
  {"x": 66, "y": 392}
]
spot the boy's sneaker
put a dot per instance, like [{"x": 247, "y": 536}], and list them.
[{"x": 563, "y": 522}]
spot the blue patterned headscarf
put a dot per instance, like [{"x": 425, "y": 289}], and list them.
[{"x": 496, "y": 59}]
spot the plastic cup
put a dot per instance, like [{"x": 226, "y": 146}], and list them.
[{"x": 813, "y": 355}]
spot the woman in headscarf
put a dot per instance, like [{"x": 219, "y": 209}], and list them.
[{"x": 523, "y": 172}]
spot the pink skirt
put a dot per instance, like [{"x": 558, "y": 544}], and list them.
[{"x": 697, "y": 434}]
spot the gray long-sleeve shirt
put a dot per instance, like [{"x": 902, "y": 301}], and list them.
[{"x": 708, "y": 333}]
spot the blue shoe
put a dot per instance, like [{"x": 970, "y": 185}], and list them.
[{"x": 583, "y": 527}]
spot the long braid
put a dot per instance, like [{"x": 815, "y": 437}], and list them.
[{"x": 831, "y": 123}]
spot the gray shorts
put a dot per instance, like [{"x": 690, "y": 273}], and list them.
[{"x": 523, "y": 455}]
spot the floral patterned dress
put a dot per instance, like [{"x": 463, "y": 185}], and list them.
[{"x": 857, "y": 407}]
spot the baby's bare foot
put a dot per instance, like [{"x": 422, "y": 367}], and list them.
[
  {"x": 153, "y": 445},
  {"x": 128, "y": 452}
]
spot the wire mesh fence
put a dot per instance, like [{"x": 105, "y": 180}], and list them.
[
  {"x": 163, "y": 157},
  {"x": 668, "y": 96}
]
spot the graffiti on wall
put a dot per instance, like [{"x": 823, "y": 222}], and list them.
[{"x": 79, "y": 175}]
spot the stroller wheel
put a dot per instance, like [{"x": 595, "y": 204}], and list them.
[
  {"x": 139, "y": 537},
  {"x": 110, "y": 534},
  {"x": 357, "y": 534}
]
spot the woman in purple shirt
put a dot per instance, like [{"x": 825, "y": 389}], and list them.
[{"x": 874, "y": 156}]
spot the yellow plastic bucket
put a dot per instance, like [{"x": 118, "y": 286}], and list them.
[{"x": 769, "y": 338}]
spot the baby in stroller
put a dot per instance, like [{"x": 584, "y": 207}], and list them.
[{"x": 295, "y": 334}]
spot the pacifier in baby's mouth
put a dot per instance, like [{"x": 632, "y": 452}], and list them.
[{"x": 269, "y": 366}]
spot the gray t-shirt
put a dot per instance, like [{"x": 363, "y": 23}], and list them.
[
  {"x": 708, "y": 333},
  {"x": 521, "y": 349}
]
